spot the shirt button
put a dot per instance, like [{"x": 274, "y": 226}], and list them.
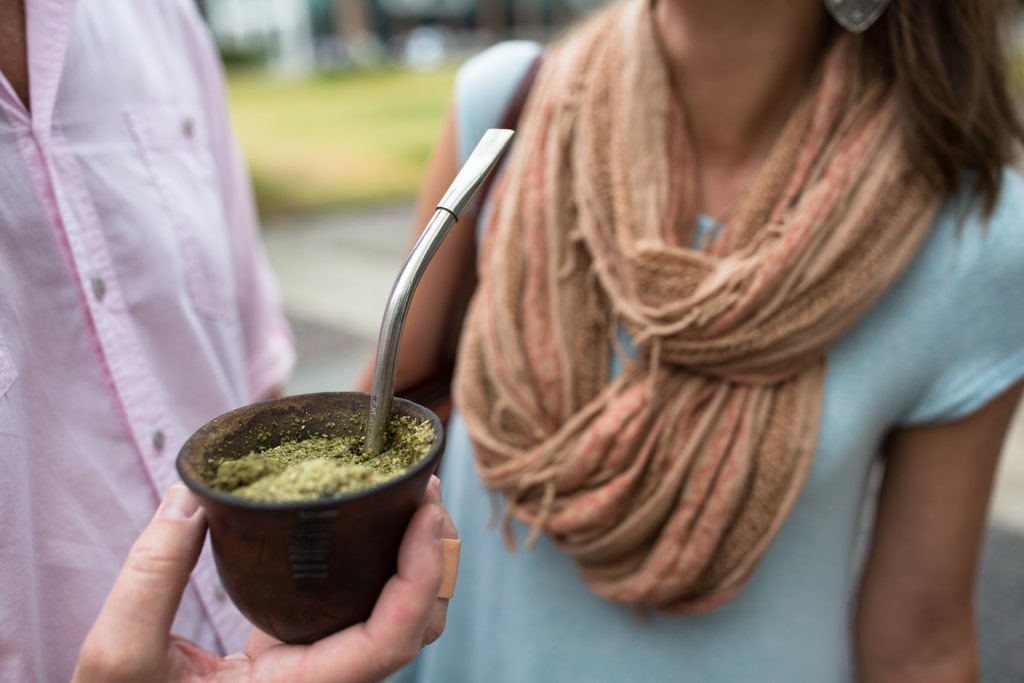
[
  {"x": 218, "y": 589},
  {"x": 99, "y": 288},
  {"x": 187, "y": 128},
  {"x": 158, "y": 440}
]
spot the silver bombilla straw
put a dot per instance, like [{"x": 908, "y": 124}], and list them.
[{"x": 453, "y": 203}]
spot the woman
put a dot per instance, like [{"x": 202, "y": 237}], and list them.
[{"x": 738, "y": 255}]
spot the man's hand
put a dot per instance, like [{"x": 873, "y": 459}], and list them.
[{"x": 131, "y": 638}]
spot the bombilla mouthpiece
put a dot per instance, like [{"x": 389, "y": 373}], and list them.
[{"x": 477, "y": 167}]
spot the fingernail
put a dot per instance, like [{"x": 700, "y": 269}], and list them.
[{"x": 179, "y": 503}]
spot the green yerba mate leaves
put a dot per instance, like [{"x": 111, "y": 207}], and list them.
[{"x": 321, "y": 466}]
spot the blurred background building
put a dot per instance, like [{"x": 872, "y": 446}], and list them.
[{"x": 296, "y": 36}]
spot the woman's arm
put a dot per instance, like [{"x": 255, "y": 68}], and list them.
[
  {"x": 439, "y": 289},
  {"x": 915, "y": 616}
]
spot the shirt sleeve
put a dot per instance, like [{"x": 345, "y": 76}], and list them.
[
  {"x": 268, "y": 337},
  {"x": 977, "y": 349}
]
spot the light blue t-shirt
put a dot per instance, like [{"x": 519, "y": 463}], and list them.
[{"x": 944, "y": 340}]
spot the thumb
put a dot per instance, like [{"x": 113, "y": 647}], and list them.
[{"x": 141, "y": 606}]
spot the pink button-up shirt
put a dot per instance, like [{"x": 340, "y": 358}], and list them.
[{"x": 135, "y": 304}]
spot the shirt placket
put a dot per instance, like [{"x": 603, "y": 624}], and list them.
[
  {"x": 68, "y": 205},
  {"x": 138, "y": 396},
  {"x": 137, "y": 393},
  {"x": 65, "y": 198}
]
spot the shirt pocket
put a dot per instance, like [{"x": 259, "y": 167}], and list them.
[
  {"x": 174, "y": 146},
  {"x": 8, "y": 373}
]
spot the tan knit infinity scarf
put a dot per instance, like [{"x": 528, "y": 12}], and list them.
[{"x": 667, "y": 483}]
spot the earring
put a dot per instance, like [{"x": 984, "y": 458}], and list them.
[{"x": 856, "y": 15}]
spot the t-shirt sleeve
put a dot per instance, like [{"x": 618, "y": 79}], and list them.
[
  {"x": 977, "y": 349},
  {"x": 484, "y": 87}
]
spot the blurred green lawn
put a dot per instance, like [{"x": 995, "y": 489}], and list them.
[{"x": 337, "y": 140}]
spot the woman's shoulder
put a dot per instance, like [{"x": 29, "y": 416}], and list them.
[
  {"x": 1007, "y": 220},
  {"x": 500, "y": 56},
  {"x": 484, "y": 86},
  {"x": 996, "y": 240},
  {"x": 962, "y": 302},
  {"x": 972, "y": 256}
]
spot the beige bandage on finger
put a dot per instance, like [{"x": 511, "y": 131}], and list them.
[{"x": 451, "y": 547}]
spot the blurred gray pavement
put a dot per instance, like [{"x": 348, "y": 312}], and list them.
[{"x": 336, "y": 271}]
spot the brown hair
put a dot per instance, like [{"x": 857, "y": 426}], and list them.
[{"x": 947, "y": 62}]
